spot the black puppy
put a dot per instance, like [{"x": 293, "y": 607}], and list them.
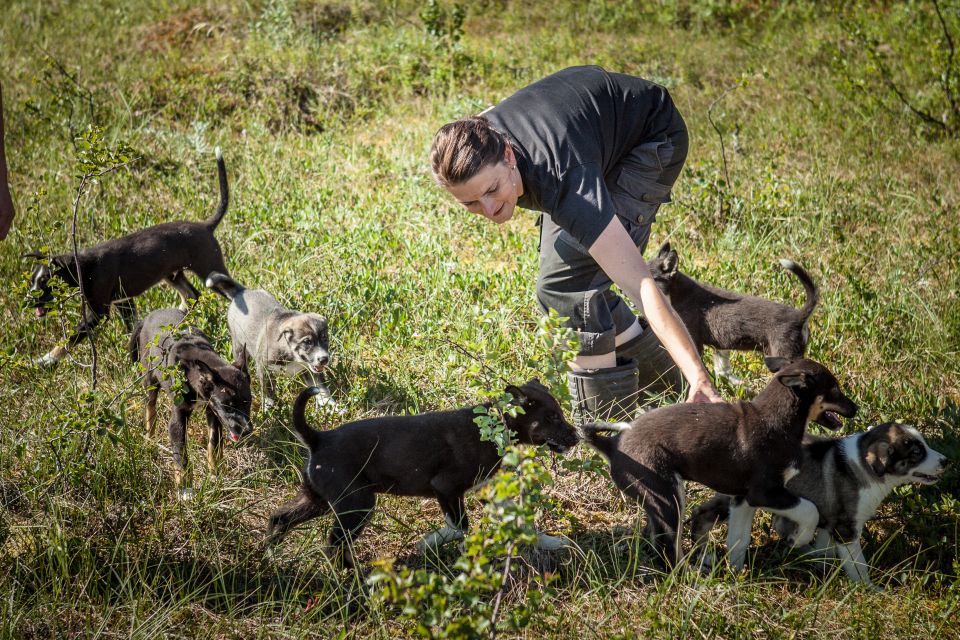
[
  {"x": 160, "y": 343},
  {"x": 748, "y": 449},
  {"x": 728, "y": 320},
  {"x": 117, "y": 270},
  {"x": 436, "y": 454}
]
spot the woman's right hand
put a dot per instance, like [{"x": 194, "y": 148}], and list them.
[{"x": 704, "y": 391}]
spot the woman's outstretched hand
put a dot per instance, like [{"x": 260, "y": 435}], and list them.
[{"x": 704, "y": 392}]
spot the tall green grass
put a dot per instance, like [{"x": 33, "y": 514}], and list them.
[{"x": 325, "y": 111}]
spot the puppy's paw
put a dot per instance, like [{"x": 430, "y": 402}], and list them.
[
  {"x": 47, "y": 362},
  {"x": 268, "y": 404},
  {"x": 328, "y": 404},
  {"x": 269, "y": 552},
  {"x": 433, "y": 541},
  {"x": 802, "y": 537},
  {"x": 553, "y": 543}
]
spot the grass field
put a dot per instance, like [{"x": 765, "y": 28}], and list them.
[{"x": 800, "y": 148}]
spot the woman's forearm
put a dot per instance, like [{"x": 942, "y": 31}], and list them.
[{"x": 619, "y": 258}]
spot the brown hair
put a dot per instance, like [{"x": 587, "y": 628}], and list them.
[{"x": 462, "y": 148}]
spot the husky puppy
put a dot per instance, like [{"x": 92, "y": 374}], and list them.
[
  {"x": 847, "y": 479},
  {"x": 438, "y": 454},
  {"x": 162, "y": 341}
]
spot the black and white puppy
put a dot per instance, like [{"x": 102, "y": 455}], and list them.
[
  {"x": 726, "y": 320},
  {"x": 750, "y": 449},
  {"x": 280, "y": 340},
  {"x": 437, "y": 454},
  {"x": 847, "y": 479},
  {"x": 116, "y": 271},
  {"x": 165, "y": 346}
]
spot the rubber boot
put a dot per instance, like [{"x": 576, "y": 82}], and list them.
[
  {"x": 657, "y": 373},
  {"x": 608, "y": 395}
]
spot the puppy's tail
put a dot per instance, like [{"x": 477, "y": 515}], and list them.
[
  {"x": 813, "y": 297},
  {"x": 224, "y": 285},
  {"x": 133, "y": 344},
  {"x": 310, "y": 436},
  {"x": 604, "y": 444},
  {"x": 212, "y": 222}
]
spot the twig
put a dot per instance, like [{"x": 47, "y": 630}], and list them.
[
  {"x": 723, "y": 150},
  {"x": 476, "y": 358},
  {"x": 76, "y": 261},
  {"x": 948, "y": 72},
  {"x": 76, "y": 258},
  {"x": 496, "y": 602}
]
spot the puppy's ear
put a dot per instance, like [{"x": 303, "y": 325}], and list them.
[
  {"x": 33, "y": 255},
  {"x": 203, "y": 374},
  {"x": 287, "y": 335},
  {"x": 241, "y": 362},
  {"x": 775, "y": 363},
  {"x": 794, "y": 380},
  {"x": 878, "y": 455},
  {"x": 664, "y": 250},
  {"x": 670, "y": 262},
  {"x": 519, "y": 396}
]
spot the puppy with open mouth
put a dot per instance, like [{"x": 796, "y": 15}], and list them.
[
  {"x": 847, "y": 479},
  {"x": 114, "y": 272}
]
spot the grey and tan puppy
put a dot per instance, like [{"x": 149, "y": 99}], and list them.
[
  {"x": 847, "y": 479},
  {"x": 727, "y": 320},
  {"x": 163, "y": 344},
  {"x": 280, "y": 340}
]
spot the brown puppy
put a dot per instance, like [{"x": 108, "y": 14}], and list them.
[
  {"x": 747, "y": 449},
  {"x": 728, "y": 320},
  {"x": 162, "y": 341},
  {"x": 436, "y": 454},
  {"x": 117, "y": 270}
]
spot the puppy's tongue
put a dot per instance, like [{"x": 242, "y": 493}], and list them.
[
  {"x": 40, "y": 311},
  {"x": 234, "y": 437}
]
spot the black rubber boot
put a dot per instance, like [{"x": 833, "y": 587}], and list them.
[
  {"x": 609, "y": 395},
  {"x": 657, "y": 373}
]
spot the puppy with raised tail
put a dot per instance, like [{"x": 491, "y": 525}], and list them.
[
  {"x": 165, "y": 346},
  {"x": 749, "y": 449},
  {"x": 847, "y": 479},
  {"x": 280, "y": 340},
  {"x": 726, "y": 320},
  {"x": 116, "y": 271},
  {"x": 438, "y": 454}
]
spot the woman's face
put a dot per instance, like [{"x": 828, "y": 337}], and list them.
[{"x": 493, "y": 192}]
